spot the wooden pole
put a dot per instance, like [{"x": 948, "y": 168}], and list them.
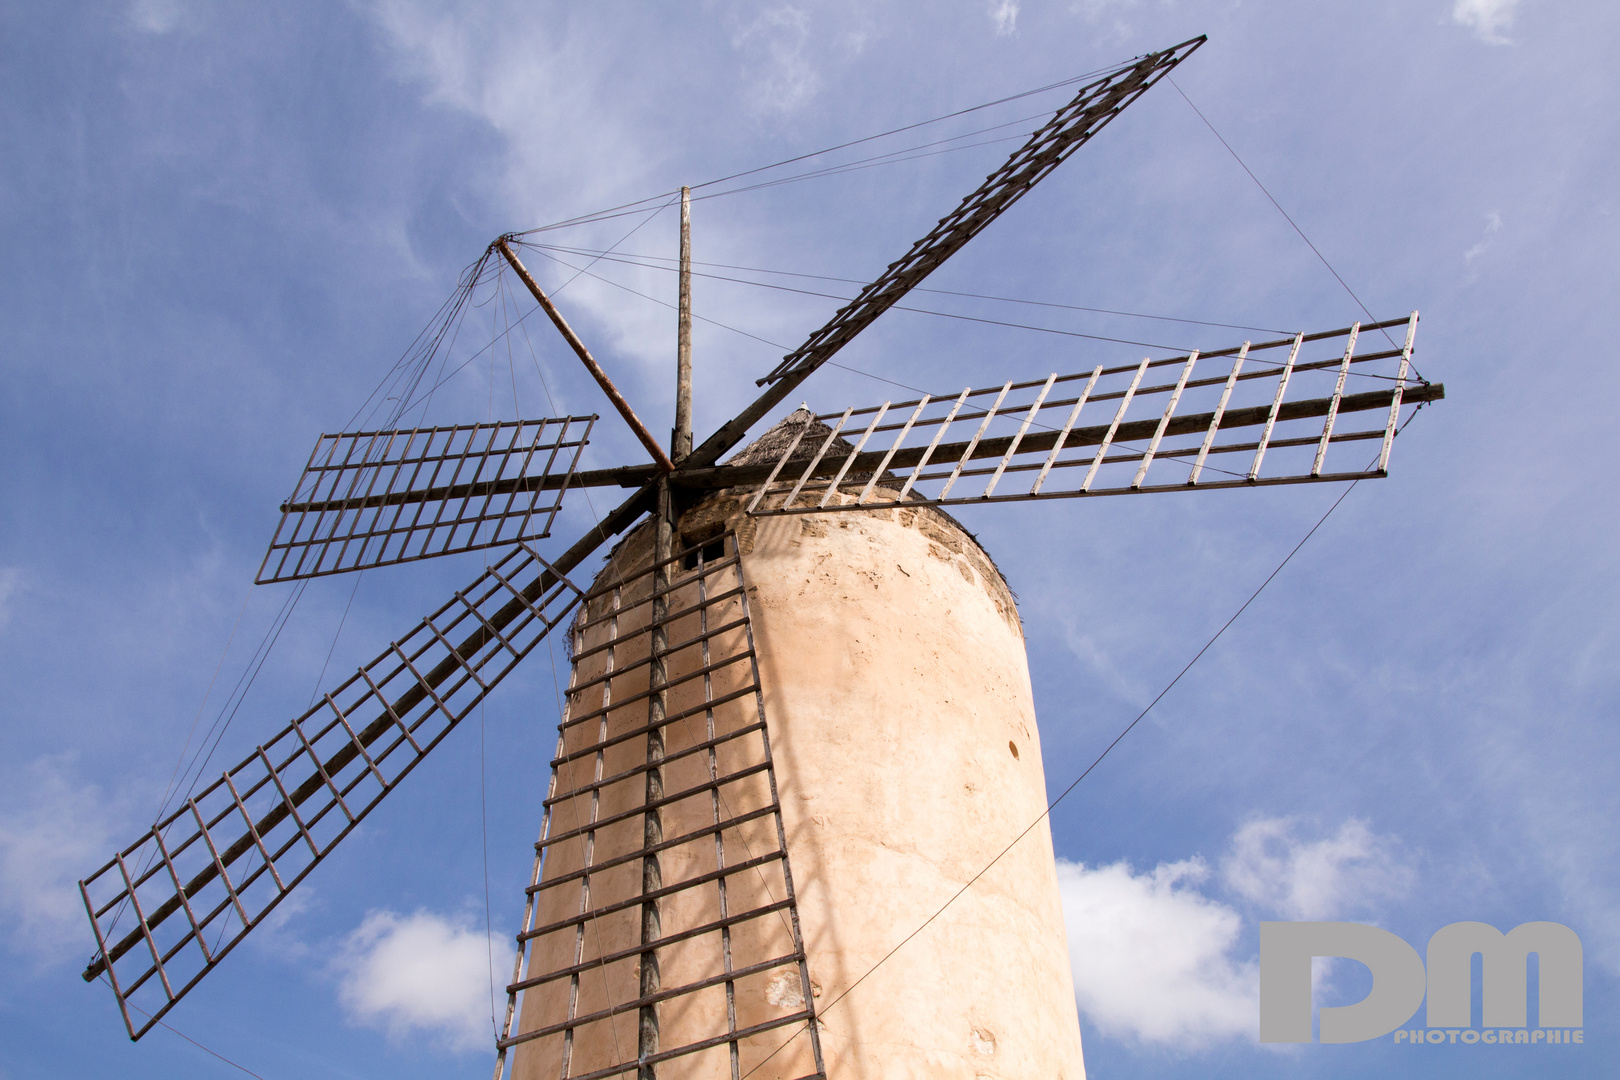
[
  {"x": 681, "y": 444},
  {"x": 652, "y": 875},
  {"x": 602, "y": 380}
]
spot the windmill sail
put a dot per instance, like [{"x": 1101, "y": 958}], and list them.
[
  {"x": 169, "y": 907},
  {"x": 374, "y": 498},
  {"x": 1274, "y": 412},
  {"x": 1070, "y": 128},
  {"x": 661, "y": 921}
]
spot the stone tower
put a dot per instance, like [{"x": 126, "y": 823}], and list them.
[{"x": 901, "y": 725}]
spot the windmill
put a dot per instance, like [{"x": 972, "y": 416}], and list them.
[{"x": 666, "y": 930}]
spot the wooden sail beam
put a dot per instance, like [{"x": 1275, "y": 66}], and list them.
[
  {"x": 584, "y": 354},
  {"x": 930, "y": 474},
  {"x": 723, "y": 476},
  {"x": 192, "y": 874}
]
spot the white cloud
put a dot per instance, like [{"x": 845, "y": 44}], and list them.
[
  {"x": 1487, "y": 18},
  {"x": 1152, "y": 957},
  {"x": 421, "y": 973},
  {"x": 1321, "y": 879},
  {"x": 1004, "y": 14},
  {"x": 1157, "y": 960},
  {"x": 1102, "y": 664},
  {"x": 495, "y": 64},
  {"x": 585, "y": 148},
  {"x": 61, "y": 833},
  {"x": 782, "y": 76},
  {"x": 1493, "y": 225},
  {"x": 155, "y": 16}
]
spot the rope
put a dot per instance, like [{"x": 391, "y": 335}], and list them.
[
  {"x": 188, "y": 1038},
  {"x": 625, "y": 209},
  {"x": 652, "y": 261},
  {"x": 1286, "y": 217}
]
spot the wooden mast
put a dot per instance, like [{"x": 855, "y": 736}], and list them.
[
  {"x": 652, "y": 878},
  {"x": 681, "y": 444}
]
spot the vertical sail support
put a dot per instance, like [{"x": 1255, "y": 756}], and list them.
[
  {"x": 1400, "y": 391},
  {"x": 1276, "y": 404},
  {"x": 1219, "y": 413},
  {"x": 1023, "y": 429},
  {"x": 1164, "y": 421},
  {"x": 730, "y": 952},
  {"x": 1338, "y": 395},
  {"x": 1113, "y": 429}
]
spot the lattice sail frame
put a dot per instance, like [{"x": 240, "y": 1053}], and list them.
[
  {"x": 240, "y": 845},
  {"x": 1053, "y": 143},
  {"x": 375, "y": 498},
  {"x": 647, "y": 816},
  {"x": 1175, "y": 424}
]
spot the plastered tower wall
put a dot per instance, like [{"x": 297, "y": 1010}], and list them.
[{"x": 906, "y": 755}]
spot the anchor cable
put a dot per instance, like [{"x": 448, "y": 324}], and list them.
[{"x": 1286, "y": 217}]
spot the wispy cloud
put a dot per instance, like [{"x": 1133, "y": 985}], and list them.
[
  {"x": 421, "y": 974},
  {"x": 1493, "y": 225},
  {"x": 155, "y": 16},
  {"x": 495, "y": 65},
  {"x": 1156, "y": 958},
  {"x": 1111, "y": 12},
  {"x": 1102, "y": 664},
  {"x": 59, "y": 830},
  {"x": 780, "y": 71},
  {"x": 1004, "y": 16},
  {"x": 1337, "y": 875},
  {"x": 1487, "y": 18}
]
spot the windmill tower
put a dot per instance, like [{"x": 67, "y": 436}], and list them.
[
  {"x": 799, "y": 719},
  {"x": 900, "y": 753}
]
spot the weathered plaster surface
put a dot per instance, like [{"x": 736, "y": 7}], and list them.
[{"x": 906, "y": 754}]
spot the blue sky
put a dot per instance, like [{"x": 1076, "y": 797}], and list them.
[{"x": 224, "y": 224}]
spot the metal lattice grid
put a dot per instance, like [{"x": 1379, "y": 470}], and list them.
[
  {"x": 374, "y": 498},
  {"x": 661, "y": 932},
  {"x": 1070, "y": 128},
  {"x": 1240, "y": 417},
  {"x": 169, "y": 907}
]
